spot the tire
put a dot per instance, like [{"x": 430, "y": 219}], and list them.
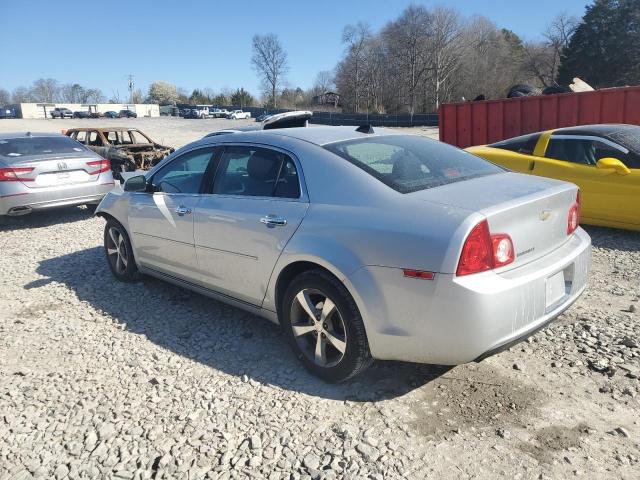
[
  {"x": 522, "y": 90},
  {"x": 115, "y": 234},
  {"x": 334, "y": 348}
]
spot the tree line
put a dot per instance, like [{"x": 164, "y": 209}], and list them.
[
  {"x": 417, "y": 61},
  {"x": 427, "y": 56}
]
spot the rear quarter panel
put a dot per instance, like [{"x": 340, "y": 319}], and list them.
[{"x": 514, "y": 161}]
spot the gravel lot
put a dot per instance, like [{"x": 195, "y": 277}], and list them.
[{"x": 100, "y": 379}]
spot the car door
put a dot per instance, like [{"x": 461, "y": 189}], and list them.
[
  {"x": 256, "y": 204},
  {"x": 606, "y": 195},
  {"x": 161, "y": 221}
]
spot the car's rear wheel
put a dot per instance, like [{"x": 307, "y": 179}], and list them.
[
  {"x": 117, "y": 247},
  {"x": 324, "y": 327}
]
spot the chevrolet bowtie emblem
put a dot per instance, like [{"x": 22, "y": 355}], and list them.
[{"x": 545, "y": 214}]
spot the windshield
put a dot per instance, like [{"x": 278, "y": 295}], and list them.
[
  {"x": 28, "y": 146},
  {"x": 410, "y": 163}
]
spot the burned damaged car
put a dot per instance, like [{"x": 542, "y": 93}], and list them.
[{"x": 128, "y": 149}]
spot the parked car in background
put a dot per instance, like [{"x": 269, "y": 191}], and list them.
[
  {"x": 603, "y": 160},
  {"x": 239, "y": 114},
  {"x": 6, "y": 112},
  {"x": 41, "y": 171},
  {"x": 190, "y": 113},
  {"x": 81, "y": 114},
  {"x": 361, "y": 244},
  {"x": 128, "y": 149},
  {"x": 293, "y": 119},
  {"x": 61, "y": 113},
  {"x": 127, "y": 114},
  {"x": 110, "y": 114},
  {"x": 219, "y": 113}
]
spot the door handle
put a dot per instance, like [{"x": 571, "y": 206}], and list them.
[
  {"x": 273, "y": 221},
  {"x": 182, "y": 210}
]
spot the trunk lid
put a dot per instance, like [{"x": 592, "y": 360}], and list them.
[
  {"x": 57, "y": 170},
  {"x": 533, "y": 211}
]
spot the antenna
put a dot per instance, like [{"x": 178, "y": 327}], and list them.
[{"x": 131, "y": 84}]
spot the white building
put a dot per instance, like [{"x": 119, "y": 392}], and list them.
[{"x": 42, "y": 110}]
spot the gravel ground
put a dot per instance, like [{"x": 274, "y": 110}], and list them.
[{"x": 100, "y": 379}]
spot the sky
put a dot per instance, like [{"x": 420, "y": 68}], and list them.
[{"x": 196, "y": 44}]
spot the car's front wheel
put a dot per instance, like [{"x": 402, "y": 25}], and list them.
[
  {"x": 324, "y": 327},
  {"x": 117, "y": 247}
]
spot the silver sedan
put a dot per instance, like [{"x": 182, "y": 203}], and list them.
[
  {"x": 361, "y": 244},
  {"x": 40, "y": 171}
]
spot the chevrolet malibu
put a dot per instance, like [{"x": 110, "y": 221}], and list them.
[
  {"x": 41, "y": 171},
  {"x": 361, "y": 244}
]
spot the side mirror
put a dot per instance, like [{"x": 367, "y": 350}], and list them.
[
  {"x": 613, "y": 164},
  {"x": 136, "y": 184}
]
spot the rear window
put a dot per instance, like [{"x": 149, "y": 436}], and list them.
[
  {"x": 28, "y": 146},
  {"x": 524, "y": 144},
  {"x": 411, "y": 163}
]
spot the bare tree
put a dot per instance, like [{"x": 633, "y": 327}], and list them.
[
  {"x": 21, "y": 95},
  {"x": 356, "y": 36},
  {"x": 444, "y": 49},
  {"x": 324, "y": 82},
  {"x": 270, "y": 62},
  {"x": 45, "y": 90},
  {"x": 5, "y": 98},
  {"x": 407, "y": 39}
]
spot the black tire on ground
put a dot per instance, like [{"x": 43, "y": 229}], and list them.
[
  {"x": 356, "y": 356},
  {"x": 118, "y": 251}
]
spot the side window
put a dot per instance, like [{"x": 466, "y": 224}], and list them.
[
  {"x": 254, "y": 171},
  {"x": 81, "y": 137},
  {"x": 138, "y": 137},
  {"x": 183, "y": 174},
  {"x": 94, "y": 139},
  {"x": 582, "y": 151},
  {"x": 524, "y": 144}
]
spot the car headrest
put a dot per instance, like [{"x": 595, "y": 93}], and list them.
[{"x": 261, "y": 168}]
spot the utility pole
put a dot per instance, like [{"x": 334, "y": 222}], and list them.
[{"x": 131, "y": 85}]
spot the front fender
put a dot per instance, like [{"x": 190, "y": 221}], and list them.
[{"x": 115, "y": 204}]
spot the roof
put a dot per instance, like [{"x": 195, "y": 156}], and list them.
[
  {"x": 601, "y": 130},
  {"x": 325, "y": 134},
  {"x": 103, "y": 129},
  {"x": 7, "y": 135}
]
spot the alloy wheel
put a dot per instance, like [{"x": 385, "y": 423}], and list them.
[
  {"x": 117, "y": 250},
  {"x": 318, "y": 328}
]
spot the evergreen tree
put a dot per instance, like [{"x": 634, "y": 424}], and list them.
[{"x": 605, "y": 49}]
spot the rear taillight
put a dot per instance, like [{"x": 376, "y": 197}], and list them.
[
  {"x": 573, "y": 219},
  {"x": 483, "y": 251},
  {"x": 16, "y": 174},
  {"x": 99, "y": 166}
]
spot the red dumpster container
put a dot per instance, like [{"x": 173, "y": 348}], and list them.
[{"x": 479, "y": 123}]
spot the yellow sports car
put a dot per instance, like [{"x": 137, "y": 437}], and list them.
[{"x": 603, "y": 160}]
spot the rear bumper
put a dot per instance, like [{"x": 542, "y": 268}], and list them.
[
  {"x": 453, "y": 320},
  {"x": 26, "y": 200}
]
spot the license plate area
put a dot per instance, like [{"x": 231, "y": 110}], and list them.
[{"x": 558, "y": 287}]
